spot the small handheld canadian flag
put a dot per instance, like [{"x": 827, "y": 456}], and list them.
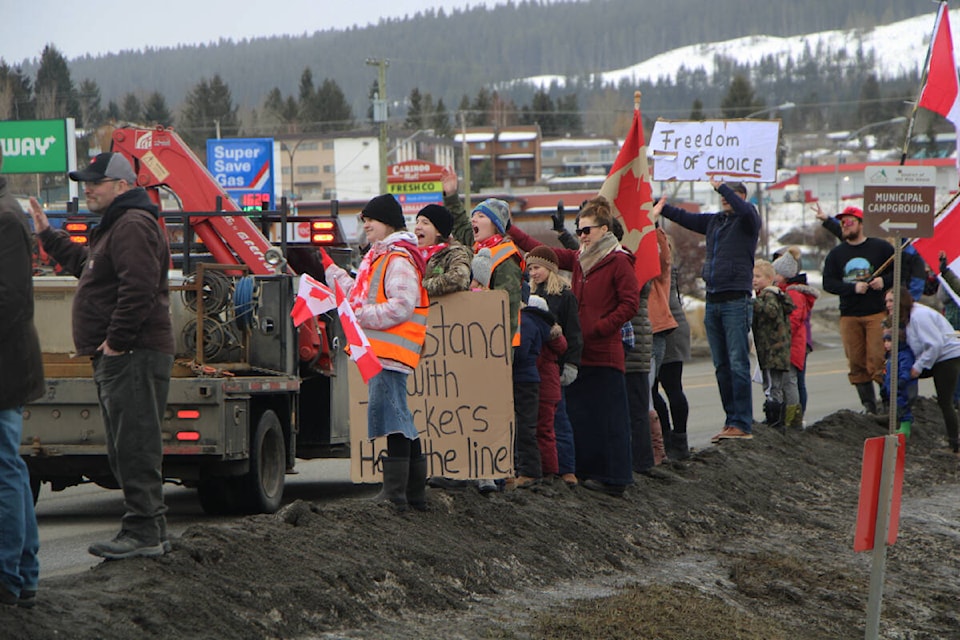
[
  {"x": 313, "y": 298},
  {"x": 359, "y": 346}
]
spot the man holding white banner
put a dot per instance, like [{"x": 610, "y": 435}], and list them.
[{"x": 731, "y": 237}]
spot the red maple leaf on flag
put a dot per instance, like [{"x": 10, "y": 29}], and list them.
[{"x": 628, "y": 189}]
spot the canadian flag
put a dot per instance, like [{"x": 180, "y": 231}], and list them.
[
  {"x": 313, "y": 298},
  {"x": 628, "y": 189},
  {"x": 941, "y": 92},
  {"x": 359, "y": 347},
  {"x": 946, "y": 230}
]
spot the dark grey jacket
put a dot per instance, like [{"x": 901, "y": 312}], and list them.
[{"x": 21, "y": 364}]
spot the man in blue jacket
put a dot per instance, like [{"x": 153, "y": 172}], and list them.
[{"x": 731, "y": 239}]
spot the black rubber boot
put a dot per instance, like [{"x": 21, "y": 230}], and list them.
[
  {"x": 677, "y": 447},
  {"x": 417, "y": 483},
  {"x": 396, "y": 471},
  {"x": 775, "y": 414},
  {"x": 868, "y": 396}
]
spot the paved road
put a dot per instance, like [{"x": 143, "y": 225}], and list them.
[{"x": 70, "y": 520}]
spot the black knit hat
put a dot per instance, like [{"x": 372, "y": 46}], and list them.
[
  {"x": 387, "y": 210},
  {"x": 440, "y": 217}
]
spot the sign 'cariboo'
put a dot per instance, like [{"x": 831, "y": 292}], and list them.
[
  {"x": 244, "y": 168},
  {"x": 415, "y": 184},
  {"x": 36, "y": 146},
  {"x": 899, "y": 200},
  {"x": 744, "y": 150}
]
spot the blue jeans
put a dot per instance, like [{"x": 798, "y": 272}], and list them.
[
  {"x": 727, "y": 325},
  {"x": 19, "y": 540}
]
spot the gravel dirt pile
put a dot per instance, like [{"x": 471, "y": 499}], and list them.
[{"x": 745, "y": 540}]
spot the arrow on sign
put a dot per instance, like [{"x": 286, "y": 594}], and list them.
[{"x": 887, "y": 225}]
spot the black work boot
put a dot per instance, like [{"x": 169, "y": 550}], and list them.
[
  {"x": 396, "y": 471},
  {"x": 417, "y": 483},
  {"x": 678, "y": 448},
  {"x": 774, "y": 412},
  {"x": 868, "y": 397}
]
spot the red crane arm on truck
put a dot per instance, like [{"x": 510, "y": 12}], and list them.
[{"x": 161, "y": 158}]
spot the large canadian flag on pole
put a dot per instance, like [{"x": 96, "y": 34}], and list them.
[
  {"x": 941, "y": 91},
  {"x": 627, "y": 187},
  {"x": 313, "y": 298},
  {"x": 359, "y": 346},
  {"x": 946, "y": 238}
]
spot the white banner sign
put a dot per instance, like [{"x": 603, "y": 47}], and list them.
[{"x": 744, "y": 150}]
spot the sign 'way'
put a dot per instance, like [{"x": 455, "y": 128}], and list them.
[{"x": 899, "y": 200}]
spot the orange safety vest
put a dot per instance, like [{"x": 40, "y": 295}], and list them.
[
  {"x": 500, "y": 253},
  {"x": 404, "y": 341}
]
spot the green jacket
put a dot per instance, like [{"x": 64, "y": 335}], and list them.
[{"x": 771, "y": 328}]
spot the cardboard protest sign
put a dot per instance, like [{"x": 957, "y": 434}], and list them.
[
  {"x": 461, "y": 394},
  {"x": 744, "y": 150}
]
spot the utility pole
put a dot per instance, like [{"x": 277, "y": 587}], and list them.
[
  {"x": 380, "y": 114},
  {"x": 466, "y": 162}
]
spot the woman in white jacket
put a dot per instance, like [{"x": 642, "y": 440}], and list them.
[{"x": 936, "y": 347}]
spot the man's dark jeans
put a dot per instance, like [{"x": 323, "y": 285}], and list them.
[{"x": 132, "y": 389}]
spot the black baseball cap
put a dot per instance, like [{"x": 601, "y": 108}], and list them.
[{"x": 106, "y": 166}]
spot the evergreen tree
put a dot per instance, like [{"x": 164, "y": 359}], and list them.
[
  {"x": 55, "y": 92},
  {"x": 569, "y": 120},
  {"x": 155, "y": 110},
  {"x": 542, "y": 112},
  {"x": 440, "y": 122},
  {"x": 334, "y": 110},
  {"x": 282, "y": 113},
  {"x": 208, "y": 107},
  {"x": 88, "y": 96},
  {"x": 870, "y": 106},
  {"x": 696, "y": 110},
  {"x": 16, "y": 101},
  {"x": 415, "y": 111},
  {"x": 480, "y": 110},
  {"x": 739, "y": 101},
  {"x": 130, "y": 109},
  {"x": 113, "y": 112}
]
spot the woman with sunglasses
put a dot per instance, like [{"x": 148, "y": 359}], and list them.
[{"x": 605, "y": 285}]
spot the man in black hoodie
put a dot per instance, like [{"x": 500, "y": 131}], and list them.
[{"x": 121, "y": 318}]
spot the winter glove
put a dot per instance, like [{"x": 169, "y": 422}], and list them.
[
  {"x": 482, "y": 267},
  {"x": 325, "y": 259},
  {"x": 569, "y": 374},
  {"x": 558, "y": 218},
  {"x": 943, "y": 261}
]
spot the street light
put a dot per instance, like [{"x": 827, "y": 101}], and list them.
[
  {"x": 786, "y": 106},
  {"x": 847, "y": 138},
  {"x": 761, "y": 209},
  {"x": 291, "y": 153}
]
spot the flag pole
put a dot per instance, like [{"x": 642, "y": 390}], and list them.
[
  {"x": 923, "y": 82},
  {"x": 636, "y": 100}
]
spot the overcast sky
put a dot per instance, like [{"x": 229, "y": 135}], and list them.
[{"x": 109, "y": 26}]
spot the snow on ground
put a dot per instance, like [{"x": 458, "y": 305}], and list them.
[{"x": 900, "y": 47}]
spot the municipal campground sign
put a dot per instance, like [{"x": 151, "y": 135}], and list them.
[
  {"x": 899, "y": 200},
  {"x": 37, "y": 146}
]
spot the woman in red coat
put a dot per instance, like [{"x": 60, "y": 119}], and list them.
[{"x": 605, "y": 285}]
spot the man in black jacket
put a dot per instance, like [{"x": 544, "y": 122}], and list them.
[
  {"x": 121, "y": 318},
  {"x": 21, "y": 380}
]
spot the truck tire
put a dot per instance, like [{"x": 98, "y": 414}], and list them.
[
  {"x": 217, "y": 497},
  {"x": 35, "y": 488},
  {"x": 262, "y": 486}
]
